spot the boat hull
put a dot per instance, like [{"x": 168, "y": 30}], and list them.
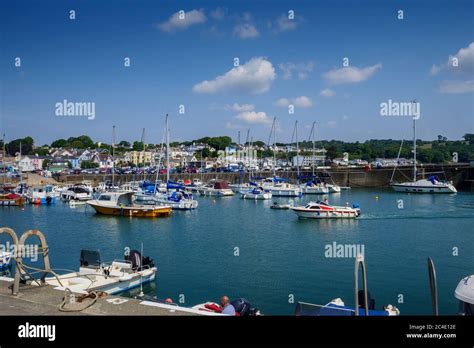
[
  {"x": 423, "y": 189},
  {"x": 326, "y": 214},
  {"x": 150, "y": 212}
]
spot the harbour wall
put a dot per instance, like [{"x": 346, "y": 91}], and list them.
[{"x": 462, "y": 176}]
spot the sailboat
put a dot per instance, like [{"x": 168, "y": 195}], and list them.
[
  {"x": 176, "y": 195},
  {"x": 430, "y": 185},
  {"x": 279, "y": 187}
]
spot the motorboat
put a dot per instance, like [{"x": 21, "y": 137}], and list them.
[
  {"x": 242, "y": 307},
  {"x": 337, "y": 308},
  {"x": 217, "y": 189},
  {"x": 430, "y": 185},
  {"x": 465, "y": 294},
  {"x": 113, "y": 278},
  {"x": 41, "y": 195},
  {"x": 237, "y": 188},
  {"x": 77, "y": 192},
  {"x": 122, "y": 204},
  {"x": 322, "y": 210},
  {"x": 256, "y": 194},
  {"x": 175, "y": 196},
  {"x": 333, "y": 188}
]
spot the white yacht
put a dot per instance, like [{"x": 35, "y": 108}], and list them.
[{"x": 218, "y": 188}]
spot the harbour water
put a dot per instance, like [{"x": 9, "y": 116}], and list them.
[{"x": 245, "y": 249}]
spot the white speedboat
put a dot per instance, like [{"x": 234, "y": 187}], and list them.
[
  {"x": 241, "y": 187},
  {"x": 465, "y": 294},
  {"x": 77, "y": 193},
  {"x": 177, "y": 200},
  {"x": 256, "y": 194},
  {"x": 119, "y": 276},
  {"x": 322, "y": 210},
  {"x": 218, "y": 188},
  {"x": 430, "y": 185}
]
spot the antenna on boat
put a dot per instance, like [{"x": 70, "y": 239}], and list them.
[
  {"x": 433, "y": 286},
  {"x": 167, "y": 152},
  {"x": 311, "y": 138},
  {"x": 141, "y": 272}
]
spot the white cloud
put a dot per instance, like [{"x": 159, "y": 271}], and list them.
[
  {"x": 327, "y": 93},
  {"x": 218, "y": 14},
  {"x": 255, "y": 76},
  {"x": 465, "y": 62},
  {"x": 283, "y": 23},
  {"x": 300, "y": 102},
  {"x": 351, "y": 74},
  {"x": 254, "y": 117},
  {"x": 177, "y": 22},
  {"x": 246, "y": 31},
  {"x": 456, "y": 87},
  {"x": 239, "y": 107},
  {"x": 302, "y": 70}
]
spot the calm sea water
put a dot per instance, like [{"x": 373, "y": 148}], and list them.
[{"x": 279, "y": 254}]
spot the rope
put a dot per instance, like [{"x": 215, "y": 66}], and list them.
[{"x": 67, "y": 300}]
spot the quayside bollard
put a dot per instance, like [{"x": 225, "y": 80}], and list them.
[{"x": 18, "y": 259}]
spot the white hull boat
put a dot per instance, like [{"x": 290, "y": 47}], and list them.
[
  {"x": 322, "y": 210},
  {"x": 314, "y": 189},
  {"x": 119, "y": 276},
  {"x": 217, "y": 189},
  {"x": 256, "y": 194},
  {"x": 425, "y": 186}
]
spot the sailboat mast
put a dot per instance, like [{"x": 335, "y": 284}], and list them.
[
  {"x": 113, "y": 153},
  {"x": 3, "y": 160},
  {"x": 143, "y": 153},
  {"x": 297, "y": 154},
  {"x": 274, "y": 147},
  {"x": 167, "y": 151},
  {"x": 314, "y": 147},
  {"x": 414, "y": 149}
]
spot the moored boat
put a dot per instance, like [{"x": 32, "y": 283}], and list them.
[
  {"x": 256, "y": 194},
  {"x": 322, "y": 210},
  {"x": 218, "y": 189},
  {"x": 430, "y": 185},
  {"x": 122, "y": 204}
]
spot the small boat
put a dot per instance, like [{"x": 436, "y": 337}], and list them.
[
  {"x": 279, "y": 188},
  {"x": 178, "y": 200},
  {"x": 218, "y": 189},
  {"x": 5, "y": 258},
  {"x": 237, "y": 188},
  {"x": 243, "y": 308},
  {"x": 11, "y": 200},
  {"x": 256, "y": 194},
  {"x": 322, "y": 210},
  {"x": 276, "y": 205},
  {"x": 333, "y": 188},
  {"x": 122, "y": 204},
  {"x": 119, "y": 276},
  {"x": 337, "y": 308},
  {"x": 465, "y": 294}
]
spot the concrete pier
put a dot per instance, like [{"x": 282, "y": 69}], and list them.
[{"x": 45, "y": 300}]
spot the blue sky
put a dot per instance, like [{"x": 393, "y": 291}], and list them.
[{"x": 282, "y": 61}]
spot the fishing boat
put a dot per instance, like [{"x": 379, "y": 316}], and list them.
[
  {"x": 122, "y": 204},
  {"x": 41, "y": 195},
  {"x": 11, "y": 200},
  {"x": 256, "y": 194},
  {"x": 465, "y": 294},
  {"x": 216, "y": 189},
  {"x": 322, "y": 210},
  {"x": 430, "y": 185},
  {"x": 113, "y": 278},
  {"x": 5, "y": 258}
]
